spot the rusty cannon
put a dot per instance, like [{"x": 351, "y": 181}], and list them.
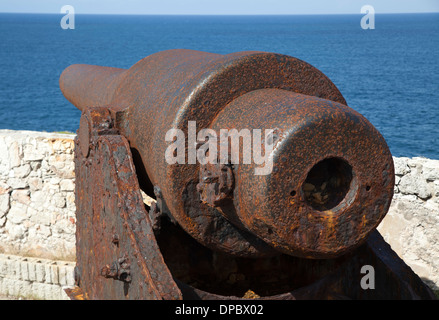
[{"x": 299, "y": 225}]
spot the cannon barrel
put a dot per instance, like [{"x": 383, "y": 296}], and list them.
[
  {"x": 331, "y": 179},
  {"x": 86, "y": 86}
]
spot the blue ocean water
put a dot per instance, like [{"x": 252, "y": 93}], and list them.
[{"x": 389, "y": 74}]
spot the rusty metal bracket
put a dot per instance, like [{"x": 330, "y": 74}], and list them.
[
  {"x": 113, "y": 224},
  {"x": 118, "y": 270},
  {"x": 216, "y": 183},
  {"x": 94, "y": 122}
]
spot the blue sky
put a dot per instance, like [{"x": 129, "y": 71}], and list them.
[{"x": 219, "y": 6}]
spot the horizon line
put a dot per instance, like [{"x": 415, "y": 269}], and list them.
[{"x": 220, "y": 14}]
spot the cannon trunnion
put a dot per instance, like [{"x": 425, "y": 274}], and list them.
[{"x": 299, "y": 225}]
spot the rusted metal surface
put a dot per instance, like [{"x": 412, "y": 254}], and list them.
[
  {"x": 216, "y": 183},
  {"x": 117, "y": 254},
  {"x": 334, "y": 279},
  {"x": 76, "y": 293},
  {"x": 330, "y": 185}
]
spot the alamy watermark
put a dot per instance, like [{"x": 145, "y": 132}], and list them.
[
  {"x": 368, "y": 21},
  {"x": 205, "y": 147},
  {"x": 368, "y": 280},
  {"x": 68, "y": 21}
]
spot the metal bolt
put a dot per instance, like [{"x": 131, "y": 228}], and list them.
[{"x": 115, "y": 239}]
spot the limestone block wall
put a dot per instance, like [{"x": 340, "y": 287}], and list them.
[
  {"x": 411, "y": 226},
  {"x": 37, "y": 200},
  {"x": 35, "y": 278}
]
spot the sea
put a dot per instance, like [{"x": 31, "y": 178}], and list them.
[{"x": 390, "y": 74}]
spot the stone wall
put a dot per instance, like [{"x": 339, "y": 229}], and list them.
[
  {"x": 37, "y": 214},
  {"x": 37, "y": 200},
  {"x": 35, "y": 278},
  {"x": 411, "y": 226}
]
